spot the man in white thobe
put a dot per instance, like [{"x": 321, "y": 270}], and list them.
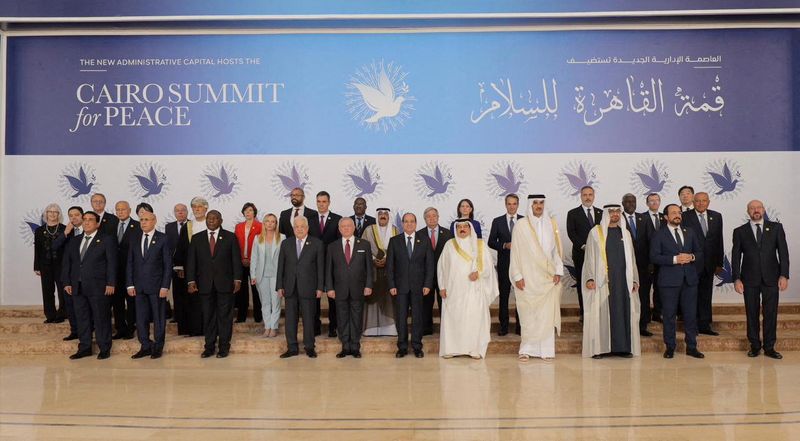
[
  {"x": 610, "y": 295},
  {"x": 536, "y": 269},
  {"x": 468, "y": 285}
]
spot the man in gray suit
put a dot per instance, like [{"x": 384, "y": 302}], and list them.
[
  {"x": 301, "y": 272},
  {"x": 348, "y": 278}
]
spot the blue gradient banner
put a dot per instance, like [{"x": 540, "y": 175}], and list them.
[{"x": 481, "y": 92}]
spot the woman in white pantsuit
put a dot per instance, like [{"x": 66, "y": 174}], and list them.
[{"x": 264, "y": 270}]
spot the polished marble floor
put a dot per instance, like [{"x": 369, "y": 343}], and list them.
[{"x": 249, "y": 397}]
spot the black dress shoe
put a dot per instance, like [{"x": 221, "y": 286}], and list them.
[
  {"x": 173, "y": 321},
  {"x": 427, "y": 332},
  {"x": 597, "y": 356},
  {"x": 772, "y": 353},
  {"x": 753, "y": 352},
  {"x": 238, "y": 320},
  {"x": 356, "y": 354},
  {"x": 58, "y": 320},
  {"x": 332, "y": 334},
  {"x": 128, "y": 336},
  {"x": 288, "y": 354},
  {"x": 625, "y": 355},
  {"x": 222, "y": 354},
  {"x": 155, "y": 354},
  {"x": 317, "y": 333},
  {"x": 669, "y": 353},
  {"x": 342, "y": 354},
  {"x": 418, "y": 353},
  {"x": 103, "y": 355},
  {"x": 645, "y": 333},
  {"x": 207, "y": 353},
  {"x": 657, "y": 318},
  {"x": 70, "y": 337},
  {"x": 117, "y": 336},
  {"x": 708, "y": 332},
  {"x": 141, "y": 354},
  {"x": 400, "y": 354},
  {"x": 80, "y": 354},
  {"x": 311, "y": 353},
  {"x": 694, "y": 353},
  {"x": 502, "y": 333}
]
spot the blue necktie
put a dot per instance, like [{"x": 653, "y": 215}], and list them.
[{"x": 632, "y": 223}]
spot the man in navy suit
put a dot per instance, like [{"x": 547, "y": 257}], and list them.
[
  {"x": 329, "y": 233},
  {"x": 287, "y": 217},
  {"x": 675, "y": 249},
  {"x": 500, "y": 241},
  {"x": 707, "y": 226},
  {"x": 89, "y": 273},
  {"x": 123, "y": 306},
  {"x": 173, "y": 231},
  {"x": 148, "y": 274},
  {"x": 437, "y": 235},
  {"x": 641, "y": 228},
  {"x": 410, "y": 266},
  {"x": 360, "y": 216},
  {"x": 581, "y": 220},
  {"x": 760, "y": 264},
  {"x": 74, "y": 228}
]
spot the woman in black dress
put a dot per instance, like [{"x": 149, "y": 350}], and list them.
[{"x": 47, "y": 263}]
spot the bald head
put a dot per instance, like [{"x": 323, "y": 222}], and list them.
[
  {"x": 755, "y": 209},
  {"x": 123, "y": 210}
]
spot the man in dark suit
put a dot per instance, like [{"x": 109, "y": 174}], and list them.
[
  {"x": 329, "y": 233},
  {"x": 360, "y": 216},
  {"x": 707, "y": 226},
  {"x": 89, "y": 273},
  {"x": 148, "y": 275},
  {"x": 437, "y": 236},
  {"x": 641, "y": 229},
  {"x": 410, "y": 266},
  {"x": 214, "y": 269},
  {"x": 123, "y": 306},
  {"x": 189, "y": 313},
  {"x": 500, "y": 241},
  {"x": 286, "y": 220},
  {"x": 348, "y": 278},
  {"x": 657, "y": 221},
  {"x": 300, "y": 280},
  {"x": 760, "y": 264},
  {"x": 74, "y": 228},
  {"x": 173, "y": 230},
  {"x": 581, "y": 220},
  {"x": 675, "y": 249},
  {"x": 108, "y": 222}
]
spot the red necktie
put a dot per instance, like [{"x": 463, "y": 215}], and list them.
[
  {"x": 296, "y": 212},
  {"x": 347, "y": 251},
  {"x": 433, "y": 239},
  {"x": 321, "y": 224},
  {"x": 212, "y": 243}
]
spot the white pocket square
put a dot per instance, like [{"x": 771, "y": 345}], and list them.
[{"x": 360, "y": 251}]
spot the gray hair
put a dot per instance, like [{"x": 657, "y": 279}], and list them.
[
  {"x": 199, "y": 200},
  {"x": 428, "y": 210},
  {"x": 301, "y": 219},
  {"x": 55, "y": 207},
  {"x": 344, "y": 220}
]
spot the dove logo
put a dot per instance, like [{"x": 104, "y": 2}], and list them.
[
  {"x": 362, "y": 179},
  {"x": 398, "y": 219},
  {"x": 434, "y": 181},
  {"x": 378, "y": 97},
  {"x": 77, "y": 182},
  {"x": 148, "y": 181},
  {"x": 28, "y": 225},
  {"x": 726, "y": 276},
  {"x": 288, "y": 176},
  {"x": 220, "y": 182},
  {"x": 505, "y": 178},
  {"x": 576, "y": 175},
  {"x": 650, "y": 177},
  {"x": 725, "y": 176}
]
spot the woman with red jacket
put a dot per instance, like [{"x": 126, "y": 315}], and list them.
[{"x": 246, "y": 232}]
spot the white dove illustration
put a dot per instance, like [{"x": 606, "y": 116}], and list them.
[{"x": 382, "y": 100}]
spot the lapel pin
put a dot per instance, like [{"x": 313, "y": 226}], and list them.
[
  {"x": 766, "y": 229},
  {"x": 98, "y": 241}
]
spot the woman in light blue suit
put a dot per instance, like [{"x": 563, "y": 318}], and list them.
[{"x": 264, "y": 270}]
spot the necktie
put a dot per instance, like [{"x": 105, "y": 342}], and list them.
[
  {"x": 511, "y": 225},
  {"x": 86, "y": 241},
  {"x": 146, "y": 244},
  {"x": 758, "y": 234},
  {"x": 589, "y": 216},
  {"x": 212, "y": 243},
  {"x": 296, "y": 212},
  {"x": 120, "y": 232},
  {"x": 703, "y": 224},
  {"x": 656, "y": 222},
  {"x": 359, "y": 224},
  {"x": 299, "y": 247},
  {"x": 678, "y": 240},
  {"x": 321, "y": 224},
  {"x": 632, "y": 223},
  {"x": 409, "y": 246},
  {"x": 180, "y": 227},
  {"x": 433, "y": 239},
  {"x": 347, "y": 251}
]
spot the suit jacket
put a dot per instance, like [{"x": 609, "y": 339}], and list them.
[
  {"x": 219, "y": 270},
  {"x": 410, "y": 275},
  {"x": 663, "y": 248},
  {"x": 331, "y": 232},
  {"x": 47, "y": 251},
  {"x": 444, "y": 236},
  {"x": 641, "y": 240},
  {"x": 499, "y": 235},
  {"x": 109, "y": 224},
  {"x": 305, "y": 275},
  {"x": 171, "y": 229},
  {"x": 368, "y": 220},
  {"x": 122, "y": 248},
  {"x": 286, "y": 228},
  {"x": 150, "y": 272},
  {"x": 578, "y": 228},
  {"x": 349, "y": 281},
  {"x": 713, "y": 251},
  {"x": 661, "y": 222},
  {"x": 98, "y": 268},
  {"x": 754, "y": 265}
]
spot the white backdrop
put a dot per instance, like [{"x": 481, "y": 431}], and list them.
[{"x": 29, "y": 183}]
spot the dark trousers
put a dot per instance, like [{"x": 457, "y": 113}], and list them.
[
  {"x": 151, "y": 308},
  {"x": 504, "y": 284},
  {"x": 243, "y": 299},
  {"x": 577, "y": 260},
  {"x": 296, "y": 307},
  {"x": 671, "y": 297},
  {"x": 705, "y": 289},
  {"x": 756, "y": 298},
  {"x": 188, "y": 311},
  {"x": 427, "y": 309},
  {"x": 93, "y": 311},
  {"x": 217, "y": 318},
  {"x": 656, "y": 312},
  {"x": 333, "y": 317},
  {"x": 52, "y": 287},
  {"x": 124, "y": 307},
  {"x": 350, "y": 318},
  {"x": 69, "y": 303},
  {"x": 645, "y": 283},
  {"x": 416, "y": 301}
]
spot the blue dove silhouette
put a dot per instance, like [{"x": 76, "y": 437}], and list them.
[
  {"x": 364, "y": 183},
  {"x": 435, "y": 183},
  {"x": 577, "y": 182},
  {"x": 398, "y": 220},
  {"x": 508, "y": 182},
  {"x": 726, "y": 276},
  {"x": 766, "y": 216},
  {"x": 725, "y": 181},
  {"x": 150, "y": 184},
  {"x": 222, "y": 183},
  {"x": 652, "y": 182},
  {"x": 33, "y": 226},
  {"x": 79, "y": 184},
  {"x": 292, "y": 182},
  {"x": 574, "y": 273}
]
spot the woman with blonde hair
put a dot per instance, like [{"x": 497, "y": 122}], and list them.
[
  {"x": 264, "y": 272},
  {"x": 47, "y": 262}
]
